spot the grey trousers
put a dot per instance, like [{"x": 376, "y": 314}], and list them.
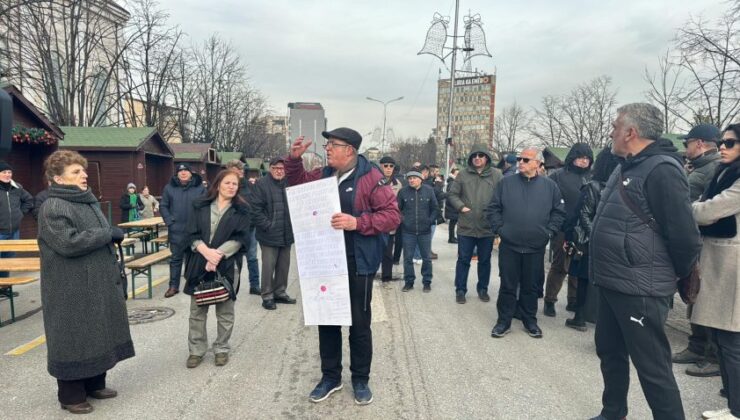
[
  {"x": 197, "y": 334},
  {"x": 275, "y": 268}
]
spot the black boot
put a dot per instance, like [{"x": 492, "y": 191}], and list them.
[
  {"x": 549, "y": 309},
  {"x": 577, "y": 322}
]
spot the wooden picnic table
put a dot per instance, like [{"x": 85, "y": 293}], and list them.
[
  {"x": 19, "y": 245},
  {"x": 20, "y": 264},
  {"x": 149, "y": 223}
]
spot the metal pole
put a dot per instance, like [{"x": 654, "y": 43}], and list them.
[
  {"x": 382, "y": 143},
  {"x": 452, "y": 95}
]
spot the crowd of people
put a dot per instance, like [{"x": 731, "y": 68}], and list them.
[{"x": 627, "y": 229}]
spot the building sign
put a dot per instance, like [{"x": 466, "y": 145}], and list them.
[{"x": 466, "y": 81}]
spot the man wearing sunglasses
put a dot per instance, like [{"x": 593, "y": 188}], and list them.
[
  {"x": 369, "y": 211},
  {"x": 703, "y": 157},
  {"x": 644, "y": 238},
  {"x": 526, "y": 211},
  {"x": 469, "y": 195},
  {"x": 388, "y": 166}
]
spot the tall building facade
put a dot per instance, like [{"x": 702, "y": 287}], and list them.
[
  {"x": 472, "y": 112},
  {"x": 308, "y": 119}
]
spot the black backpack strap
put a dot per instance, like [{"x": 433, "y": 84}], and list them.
[{"x": 650, "y": 221}]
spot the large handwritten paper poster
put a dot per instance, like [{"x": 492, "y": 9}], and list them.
[{"x": 322, "y": 265}]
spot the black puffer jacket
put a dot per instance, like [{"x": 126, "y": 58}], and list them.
[
  {"x": 269, "y": 212},
  {"x": 14, "y": 203},
  {"x": 571, "y": 178},
  {"x": 176, "y": 202},
  {"x": 418, "y": 209}
]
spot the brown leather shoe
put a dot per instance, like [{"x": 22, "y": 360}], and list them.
[
  {"x": 105, "y": 393},
  {"x": 81, "y": 408},
  {"x": 434, "y": 256},
  {"x": 193, "y": 361},
  {"x": 222, "y": 359},
  {"x": 171, "y": 292}
]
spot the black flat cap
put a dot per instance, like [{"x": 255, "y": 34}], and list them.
[{"x": 343, "y": 133}]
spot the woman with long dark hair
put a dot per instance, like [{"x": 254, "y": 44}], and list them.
[
  {"x": 718, "y": 303},
  {"x": 218, "y": 230},
  {"x": 578, "y": 231}
]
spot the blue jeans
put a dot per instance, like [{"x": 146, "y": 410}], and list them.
[
  {"x": 14, "y": 235},
  {"x": 465, "y": 247},
  {"x": 424, "y": 244},
  {"x": 252, "y": 263},
  {"x": 417, "y": 253}
]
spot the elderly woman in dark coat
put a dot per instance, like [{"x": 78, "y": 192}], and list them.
[
  {"x": 85, "y": 319},
  {"x": 219, "y": 236}
]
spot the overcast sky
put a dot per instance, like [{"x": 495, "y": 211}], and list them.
[{"x": 339, "y": 52}]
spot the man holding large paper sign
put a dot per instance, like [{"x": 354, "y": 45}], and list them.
[{"x": 369, "y": 211}]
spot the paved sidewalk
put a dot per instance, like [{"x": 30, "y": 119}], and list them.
[{"x": 433, "y": 359}]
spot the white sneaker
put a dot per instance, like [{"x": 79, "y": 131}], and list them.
[
  {"x": 711, "y": 414},
  {"x": 417, "y": 262}
]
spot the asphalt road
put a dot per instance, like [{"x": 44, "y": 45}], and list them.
[{"x": 433, "y": 359}]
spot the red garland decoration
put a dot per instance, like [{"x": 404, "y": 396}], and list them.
[{"x": 32, "y": 136}]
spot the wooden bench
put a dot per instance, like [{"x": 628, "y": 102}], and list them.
[
  {"x": 6, "y": 289},
  {"x": 128, "y": 245},
  {"x": 144, "y": 265},
  {"x": 144, "y": 237},
  {"x": 161, "y": 241}
]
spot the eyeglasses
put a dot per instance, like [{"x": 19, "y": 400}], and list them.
[
  {"x": 331, "y": 145},
  {"x": 729, "y": 143},
  {"x": 523, "y": 159},
  {"x": 480, "y": 155},
  {"x": 389, "y": 165},
  {"x": 277, "y": 168},
  {"x": 687, "y": 142}
]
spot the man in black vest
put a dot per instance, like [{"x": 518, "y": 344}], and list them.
[{"x": 644, "y": 239}]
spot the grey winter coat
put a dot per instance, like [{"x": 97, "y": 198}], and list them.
[
  {"x": 718, "y": 302},
  {"x": 13, "y": 205},
  {"x": 85, "y": 318},
  {"x": 474, "y": 190},
  {"x": 703, "y": 169}
]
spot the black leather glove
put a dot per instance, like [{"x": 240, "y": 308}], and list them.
[{"x": 116, "y": 234}]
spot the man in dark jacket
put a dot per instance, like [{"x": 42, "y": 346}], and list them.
[
  {"x": 253, "y": 268},
  {"x": 175, "y": 206},
  {"x": 388, "y": 166},
  {"x": 274, "y": 233},
  {"x": 644, "y": 238},
  {"x": 369, "y": 212},
  {"x": 418, "y": 206},
  {"x": 569, "y": 179},
  {"x": 16, "y": 204},
  {"x": 470, "y": 195},
  {"x": 451, "y": 213},
  {"x": 703, "y": 157},
  {"x": 526, "y": 211}
]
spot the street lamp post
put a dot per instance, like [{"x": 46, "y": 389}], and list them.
[{"x": 385, "y": 106}]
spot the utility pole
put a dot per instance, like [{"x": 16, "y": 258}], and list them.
[{"x": 385, "y": 107}]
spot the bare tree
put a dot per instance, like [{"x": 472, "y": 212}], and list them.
[
  {"x": 510, "y": 128},
  {"x": 68, "y": 57},
  {"x": 710, "y": 54},
  {"x": 582, "y": 116},
  {"x": 413, "y": 149},
  {"x": 148, "y": 76},
  {"x": 667, "y": 90}
]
